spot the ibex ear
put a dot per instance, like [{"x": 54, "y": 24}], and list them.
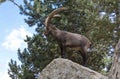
[{"x": 53, "y": 27}]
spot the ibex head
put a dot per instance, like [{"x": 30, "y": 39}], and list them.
[
  {"x": 50, "y": 29},
  {"x": 53, "y": 14}
]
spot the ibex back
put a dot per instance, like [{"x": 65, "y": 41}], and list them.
[{"x": 67, "y": 39}]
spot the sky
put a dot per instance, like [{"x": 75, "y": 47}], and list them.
[{"x": 13, "y": 31}]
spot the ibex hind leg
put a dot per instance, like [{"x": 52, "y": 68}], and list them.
[{"x": 84, "y": 57}]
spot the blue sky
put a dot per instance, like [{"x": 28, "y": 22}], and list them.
[{"x": 13, "y": 31}]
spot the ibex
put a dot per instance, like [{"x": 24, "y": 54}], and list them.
[{"x": 67, "y": 39}]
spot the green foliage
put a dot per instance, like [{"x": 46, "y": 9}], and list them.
[
  {"x": 81, "y": 17},
  {"x": 15, "y": 69},
  {"x": 1, "y": 1}
]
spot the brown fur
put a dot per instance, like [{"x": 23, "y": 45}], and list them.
[{"x": 67, "y": 39}]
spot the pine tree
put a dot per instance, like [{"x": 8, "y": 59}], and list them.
[{"x": 83, "y": 17}]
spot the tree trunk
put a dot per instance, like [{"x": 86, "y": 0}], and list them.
[{"x": 115, "y": 68}]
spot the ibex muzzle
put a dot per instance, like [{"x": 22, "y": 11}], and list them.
[{"x": 67, "y": 39}]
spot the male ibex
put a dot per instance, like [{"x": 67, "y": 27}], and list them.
[{"x": 67, "y": 39}]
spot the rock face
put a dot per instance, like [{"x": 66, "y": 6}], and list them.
[
  {"x": 115, "y": 68},
  {"x": 65, "y": 69}
]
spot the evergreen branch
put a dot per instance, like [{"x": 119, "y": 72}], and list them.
[{"x": 15, "y": 3}]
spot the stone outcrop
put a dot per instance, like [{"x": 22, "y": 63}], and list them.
[
  {"x": 65, "y": 69},
  {"x": 115, "y": 68}
]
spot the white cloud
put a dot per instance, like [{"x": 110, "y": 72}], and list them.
[
  {"x": 15, "y": 39},
  {"x": 4, "y": 75},
  {"x": 4, "y": 69}
]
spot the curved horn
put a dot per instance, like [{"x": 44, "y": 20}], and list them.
[{"x": 52, "y": 14}]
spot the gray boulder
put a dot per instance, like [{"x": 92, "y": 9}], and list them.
[{"x": 65, "y": 69}]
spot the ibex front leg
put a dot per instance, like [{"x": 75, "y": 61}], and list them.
[{"x": 63, "y": 50}]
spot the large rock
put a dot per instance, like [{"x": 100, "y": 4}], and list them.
[
  {"x": 65, "y": 69},
  {"x": 115, "y": 68}
]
